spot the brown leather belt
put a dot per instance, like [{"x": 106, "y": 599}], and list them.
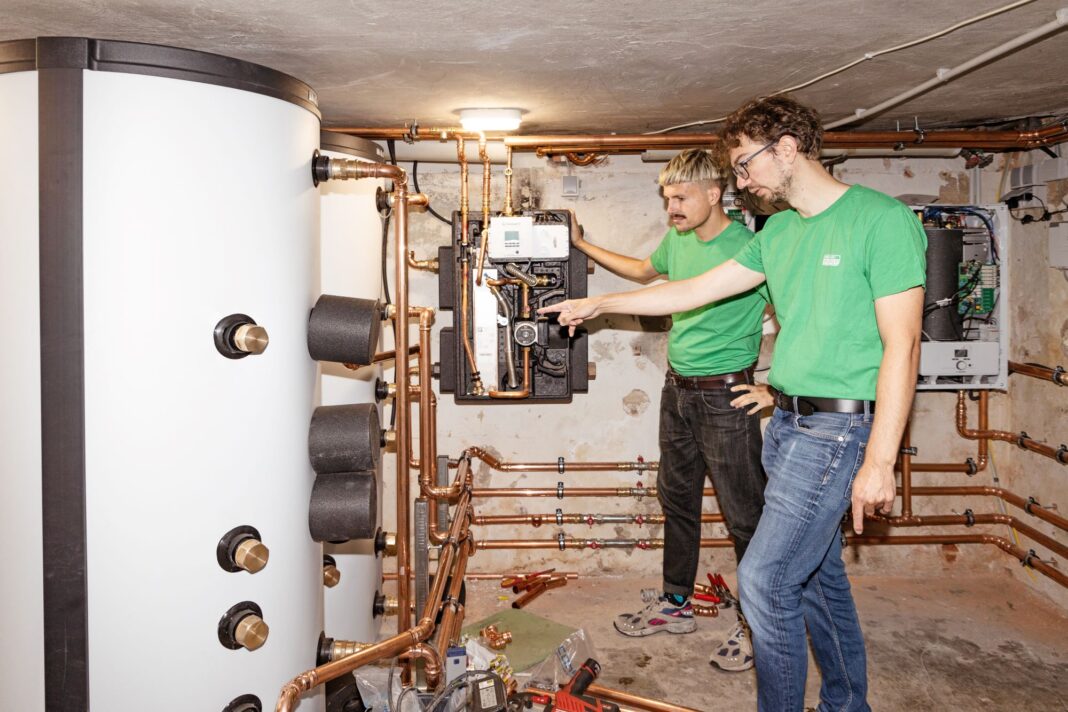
[
  {"x": 708, "y": 383},
  {"x": 807, "y": 405}
]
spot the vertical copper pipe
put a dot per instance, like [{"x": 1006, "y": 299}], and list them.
[
  {"x": 451, "y": 607},
  {"x": 906, "y": 471},
  {"x": 428, "y": 655},
  {"x": 486, "y": 188},
  {"x": 508, "y": 183},
  {"x": 465, "y": 272},
  {"x": 403, "y": 398}
]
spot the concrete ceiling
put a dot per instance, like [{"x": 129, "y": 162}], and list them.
[{"x": 595, "y": 65}]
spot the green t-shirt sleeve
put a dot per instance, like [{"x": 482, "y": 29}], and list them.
[
  {"x": 750, "y": 255},
  {"x": 661, "y": 257},
  {"x": 896, "y": 253}
]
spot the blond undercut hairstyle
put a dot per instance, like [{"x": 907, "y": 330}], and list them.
[{"x": 695, "y": 165}]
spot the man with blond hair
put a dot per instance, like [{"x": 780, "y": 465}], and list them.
[{"x": 704, "y": 426}]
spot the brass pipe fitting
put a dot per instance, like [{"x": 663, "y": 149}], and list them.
[
  {"x": 251, "y": 338},
  {"x": 251, "y": 555},
  {"x": 331, "y": 576}
]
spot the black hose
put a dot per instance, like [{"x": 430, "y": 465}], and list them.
[{"x": 415, "y": 184}]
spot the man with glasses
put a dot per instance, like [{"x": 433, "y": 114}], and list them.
[
  {"x": 845, "y": 268},
  {"x": 704, "y": 426}
]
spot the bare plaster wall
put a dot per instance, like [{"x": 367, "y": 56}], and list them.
[{"x": 621, "y": 209}]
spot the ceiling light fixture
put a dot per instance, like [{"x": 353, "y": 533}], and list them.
[{"x": 490, "y": 119}]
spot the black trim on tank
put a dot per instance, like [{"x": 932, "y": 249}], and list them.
[
  {"x": 350, "y": 145},
  {"x": 156, "y": 61},
  {"x": 66, "y": 614}
]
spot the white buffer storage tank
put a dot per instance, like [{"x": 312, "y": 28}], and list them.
[{"x": 146, "y": 194}]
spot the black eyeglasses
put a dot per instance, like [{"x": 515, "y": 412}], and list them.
[{"x": 740, "y": 169}]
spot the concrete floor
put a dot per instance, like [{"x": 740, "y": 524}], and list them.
[{"x": 981, "y": 643}]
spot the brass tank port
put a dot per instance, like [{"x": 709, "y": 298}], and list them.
[
  {"x": 243, "y": 627},
  {"x": 251, "y": 338},
  {"x": 389, "y": 438},
  {"x": 251, "y": 555},
  {"x": 242, "y": 549},
  {"x": 385, "y": 543},
  {"x": 251, "y": 632},
  {"x": 331, "y": 574},
  {"x": 384, "y": 605}
]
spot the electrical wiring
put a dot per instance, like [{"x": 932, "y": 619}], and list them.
[
  {"x": 860, "y": 60},
  {"x": 415, "y": 184},
  {"x": 1001, "y": 506}
]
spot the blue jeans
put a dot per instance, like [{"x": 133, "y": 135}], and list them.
[
  {"x": 792, "y": 577},
  {"x": 702, "y": 435}
]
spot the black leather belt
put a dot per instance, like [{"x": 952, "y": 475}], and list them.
[
  {"x": 704, "y": 383},
  {"x": 807, "y": 405}
]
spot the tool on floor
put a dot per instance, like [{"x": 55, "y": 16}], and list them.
[{"x": 572, "y": 698}]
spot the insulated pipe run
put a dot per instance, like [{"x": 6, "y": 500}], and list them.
[
  {"x": 944, "y": 74},
  {"x": 1045, "y": 373},
  {"x": 524, "y": 313},
  {"x": 560, "y": 466}
]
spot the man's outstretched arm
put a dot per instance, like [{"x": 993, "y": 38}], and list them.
[{"x": 726, "y": 280}]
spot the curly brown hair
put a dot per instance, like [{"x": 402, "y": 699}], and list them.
[{"x": 766, "y": 120}]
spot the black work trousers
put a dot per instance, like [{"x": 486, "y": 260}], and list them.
[{"x": 700, "y": 433}]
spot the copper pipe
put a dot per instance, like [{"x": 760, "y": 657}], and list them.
[
  {"x": 524, "y": 290},
  {"x": 1044, "y": 373},
  {"x": 396, "y": 644},
  {"x": 1026, "y": 558},
  {"x": 629, "y": 702},
  {"x": 969, "y": 466},
  {"x": 401, "y": 401},
  {"x": 972, "y": 519},
  {"x": 379, "y": 357},
  {"x": 614, "y": 143},
  {"x": 1021, "y": 439},
  {"x": 452, "y": 611},
  {"x": 428, "y": 265},
  {"x": 489, "y": 576},
  {"x": 536, "y": 520},
  {"x": 536, "y": 590},
  {"x": 508, "y": 182},
  {"x": 573, "y": 492},
  {"x": 433, "y": 665},
  {"x": 558, "y": 466},
  {"x": 583, "y": 159},
  {"x": 1030, "y": 505},
  {"x": 465, "y": 272},
  {"x": 486, "y": 195},
  {"x": 573, "y": 543}
]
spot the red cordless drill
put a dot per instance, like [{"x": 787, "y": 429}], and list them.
[{"x": 570, "y": 697}]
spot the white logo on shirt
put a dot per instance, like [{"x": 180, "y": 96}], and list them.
[{"x": 832, "y": 260}]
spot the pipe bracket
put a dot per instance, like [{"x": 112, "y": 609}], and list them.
[
  {"x": 969, "y": 517},
  {"x": 560, "y": 490},
  {"x": 973, "y": 468},
  {"x": 561, "y": 541},
  {"x": 559, "y": 517},
  {"x": 560, "y": 465}
]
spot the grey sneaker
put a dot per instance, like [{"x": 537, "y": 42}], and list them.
[
  {"x": 658, "y": 615},
  {"x": 736, "y": 652}
]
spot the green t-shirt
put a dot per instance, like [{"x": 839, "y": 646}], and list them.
[
  {"x": 720, "y": 337},
  {"x": 824, "y": 274}
]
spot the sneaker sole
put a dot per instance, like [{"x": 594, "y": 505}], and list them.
[
  {"x": 676, "y": 628},
  {"x": 719, "y": 667}
]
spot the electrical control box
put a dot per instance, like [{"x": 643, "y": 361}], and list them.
[
  {"x": 965, "y": 329},
  {"x": 498, "y": 349}
]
